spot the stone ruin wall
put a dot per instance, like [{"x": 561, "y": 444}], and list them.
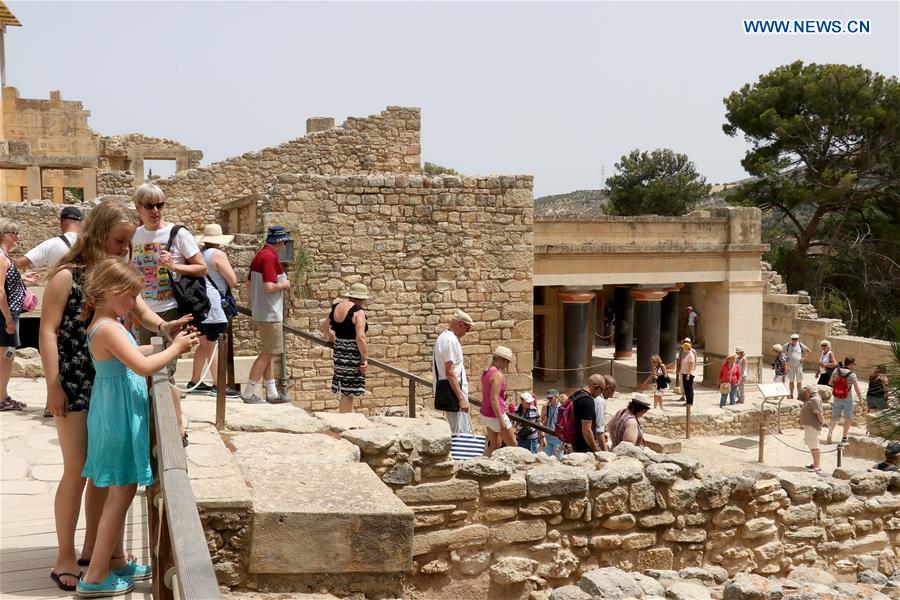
[
  {"x": 504, "y": 526},
  {"x": 423, "y": 246},
  {"x": 384, "y": 143},
  {"x": 784, "y": 314}
]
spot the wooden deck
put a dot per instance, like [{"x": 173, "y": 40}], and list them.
[{"x": 30, "y": 463}]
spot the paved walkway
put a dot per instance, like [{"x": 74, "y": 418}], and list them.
[{"x": 30, "y": 467}]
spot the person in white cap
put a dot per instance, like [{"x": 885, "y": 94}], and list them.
[
  {"x": 741, "y": 362},
  {"x": 493, "y": 402},
  {"x": 347, "y": 327},
  {"x": 795, "y": 351},
  {"x": 448, "y": 364},
  {"x": 779, "y": 364},
  {"x": 527, "y": 436}
]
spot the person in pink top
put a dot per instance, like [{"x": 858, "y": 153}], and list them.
[
  {"x": 493, "y": 402},
  {"x": 729, "y": 377}
]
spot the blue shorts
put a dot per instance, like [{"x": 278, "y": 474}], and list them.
[
  {"x": 842, "y": 405},
  {"x": 8, "y": 340}
]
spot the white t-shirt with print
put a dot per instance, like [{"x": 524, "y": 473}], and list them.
[
  {"x": 448, "y": 348},
  {"x": 146, "y": 246},
  {"x": 48, "y": 252}
]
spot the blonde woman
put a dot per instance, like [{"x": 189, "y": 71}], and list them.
[
  {"x": 69, "y": 375},
  {"x": 661, "y": 375}
]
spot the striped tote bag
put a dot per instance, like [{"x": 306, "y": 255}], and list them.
[{"x": 466, "y": 445}]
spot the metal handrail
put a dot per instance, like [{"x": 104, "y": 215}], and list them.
[
  {"x": 182, "y": 568},
  {"x": 411, "y": 377}
]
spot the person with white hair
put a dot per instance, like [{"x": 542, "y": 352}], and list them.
[
  {"x": 779, "y": 364},
  {"x": 827, "y": 363},
  {"x": 527, "y": 436},
  {"x": 448, "y": 365},
  {"x": 812, "y": 419}
]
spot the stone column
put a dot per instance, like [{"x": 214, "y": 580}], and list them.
[
  {"x": 623, "y": 305},
  {"x": 182, "y": 162},
  {"x": 33, "y": 182},
  {"x": 732, "y": 314},
  {"x": 137, "y": 167},
  {"x": 89, "y": 174},
  {"x": 647, "y": 309},
  {"x": 668, "y": 332},
  {"x": 577, "y": 331}
]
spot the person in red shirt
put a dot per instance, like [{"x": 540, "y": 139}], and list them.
[{"x": 268, "y": 282}]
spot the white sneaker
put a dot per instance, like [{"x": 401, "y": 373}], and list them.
[{"x": 253, "y": 399}]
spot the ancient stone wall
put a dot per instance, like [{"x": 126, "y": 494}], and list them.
[
  {"x": 499, "y": 527},
  {"x": 115, "y": 183},
  {"x": 53, "y": 127},
  {"x": 383, "y": 143},
  {"x": 423, "y": 246}
]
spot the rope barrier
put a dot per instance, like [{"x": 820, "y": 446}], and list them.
[
  {"x": 804, "y": 450},
  {"x": 584, "y": 368}
]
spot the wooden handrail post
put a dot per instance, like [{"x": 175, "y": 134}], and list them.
[
  {"x": 230, "y": 361},
  {"x": 412, "y": 399},
  {"x": 221, "y": 376}
]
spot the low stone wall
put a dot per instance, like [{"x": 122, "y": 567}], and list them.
[{"x": 516, "y": 523}]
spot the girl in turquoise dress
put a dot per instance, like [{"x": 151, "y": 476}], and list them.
[{"x": 118, "y": 455}]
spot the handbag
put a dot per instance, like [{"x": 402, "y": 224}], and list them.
[
  {"x": 725, "y": 388},
  {"x": 466, "y": 445},
  {"x": 444, "y": 397},
  {"x": 189, "y": 291},
  {"x": 30, "y": 302}
]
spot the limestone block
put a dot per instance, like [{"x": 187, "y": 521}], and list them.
[
  {"x": 569, "y": 592},
  {"x": 345, "y": 507},
  {"x": 803, "y": 574},
  {"x": 882, "y": 504},
  {"x": 799, "y": 486},
  {"x": 649, "y": 586},
  {"x": 687, "y": 464},
  {"x": 663, "y": 445},
  {"x": 663, "y": 473},
  {"x": 561, "y": 566},
  {"x": 470, "y": 535},
  {"x": 715, "y": 491},
  {"x": 258, "y": 450},
  {"x": 400, "y": 474},
  {"x": 575, "y": 508},
  {"x": 341, "y": 422},
  {"x": 744, "y": 586},
  {"x": 682, "y": 494},
  {"x": 800, "y": 534},
  {"x": 484, "y": 468},
  {"x": 555, "y": 480},
  {"x": 870, "y": 543},
  {"x": 443, "y": 491},
  {"x": 872, "y": 577},
  {"x": 375, "y": 440},
  {"x": 285, "y": 418},
  {"x": 517, "y": 458},
  {"x": 758, "y": 528},
  {"x": 433, "y": 440},
  {"x": 607, "y": 503},
  {"x": 642, "y": 496},
  {"x": 544, "y": 508},
  {"x": 635, "y": 541},
  {"x": 619, "y": 472},
  {"x": 530, "y": 530},
  {"x": 609, "y": 582},
  {"x": 512, "y": 569},
  {"x": 655, "y": 558},
  {"x": 510, "y": 489},
  {"x": 435, "y": 567},
  {"x": 656, "y": 520},
  {"x": 475, "y": 563},
  {"x": 870, "y": 482},
  {"x": 626, "y": 521},
  {"x": 690, "y": 535},
  {"x": 849, "y": 507},
  {"x": 684, "y": 590},
  {"x": 495, "y": 513}
]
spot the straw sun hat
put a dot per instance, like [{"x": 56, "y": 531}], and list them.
[{"x": 212, "y": 234}]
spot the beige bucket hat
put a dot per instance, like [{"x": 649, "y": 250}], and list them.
[
  {"x": 503, "y": 352},
  {"x": 212, "y": 234},
  {"x": 358, "y": 291},
  {"x": 459, "y": 315}
]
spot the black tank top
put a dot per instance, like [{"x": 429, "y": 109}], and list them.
[{"x": 345, "y": 330}]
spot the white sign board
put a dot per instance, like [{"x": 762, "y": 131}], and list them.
[{"x": 772, "y": 390}]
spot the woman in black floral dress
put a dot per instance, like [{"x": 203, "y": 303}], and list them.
[{"x": 69, "y": 372}]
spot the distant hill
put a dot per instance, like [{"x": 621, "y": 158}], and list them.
[{"x": 581, "y": 203}]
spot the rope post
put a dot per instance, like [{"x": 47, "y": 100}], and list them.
[
  {"x": 221, "y": 376},
  {"x": 412, "y": 399},
  {"x": 687, "y": 421},
  {"x": 762, "y": 432},
  {"x": 840, "y": 454}
]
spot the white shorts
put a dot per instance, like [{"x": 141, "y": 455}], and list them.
[
  {"x": 811, "y": 437},
  {"x": 795, "y": 373},
  {"x": 494, "y": 425}
]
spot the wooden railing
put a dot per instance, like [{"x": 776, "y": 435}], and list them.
[
  {"x": 182, "y": 568},
  {"x": 411, "y": 378}
]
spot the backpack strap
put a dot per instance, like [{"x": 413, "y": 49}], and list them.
[
  {"x": 65, "y": 241},
  {"x": 172, "y": 234}
]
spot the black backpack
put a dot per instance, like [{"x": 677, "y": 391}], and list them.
[{"x": 189, "y": 291}]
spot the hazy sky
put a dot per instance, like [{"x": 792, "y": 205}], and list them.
[{"x": 556, "y": 90}]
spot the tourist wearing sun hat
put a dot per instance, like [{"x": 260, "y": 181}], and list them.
[
  {"x": 347, "y": 326},
  {"x": 268, "y": 282},
  {"x": 796, "y": 352},
  {"x": 625, "y": 426},
  {"x": 729, "y": 377},
  {"x": 526, "y": 436},
  {"x": 223, "y": 307},
  {"x": 448, "y": 364},
  {"x": 686, "y": 365},
  {"x": 494, "y": 408}
]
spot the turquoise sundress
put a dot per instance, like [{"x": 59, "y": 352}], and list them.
[{"x": 118, "y": 423}]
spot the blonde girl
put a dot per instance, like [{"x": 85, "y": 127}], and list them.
[
  {"x": 118, "y": 455},
  {"x": 661, "y": 375}
]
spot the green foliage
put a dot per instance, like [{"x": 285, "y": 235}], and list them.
[
  {"x": 661, "y": 182},
  {"x": 301, "y": 266},
  {"x": 825, "y": 154},
  {"x": 433, "y": 169}
]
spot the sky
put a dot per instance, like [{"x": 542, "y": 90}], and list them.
[{"x": 556, "y": 90}]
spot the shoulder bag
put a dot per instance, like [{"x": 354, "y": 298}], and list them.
[
  {"x": 444, "y": 397},
  {"x": 189, "y": 291}
]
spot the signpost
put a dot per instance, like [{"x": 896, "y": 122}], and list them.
[{"x": 775, "y": 393}]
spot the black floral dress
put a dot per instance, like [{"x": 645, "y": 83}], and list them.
[{"x": 76, "y": 369}]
